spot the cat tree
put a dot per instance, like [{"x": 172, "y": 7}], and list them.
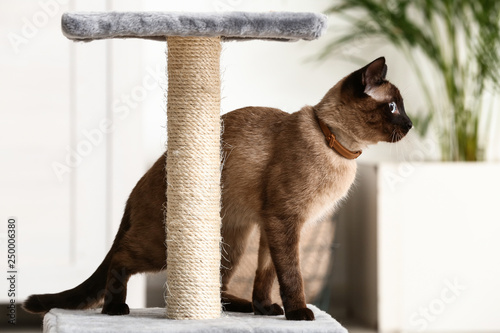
[{"x": 193, "y": 162}]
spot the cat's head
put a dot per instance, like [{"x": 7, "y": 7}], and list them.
[{"x": 366, "y": 107}]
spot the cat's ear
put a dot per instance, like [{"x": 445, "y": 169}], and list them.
[{"x": 374, "y": 73}]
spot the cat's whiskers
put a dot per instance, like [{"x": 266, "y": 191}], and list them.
[
  {"x": 396, "y": 137},
  {"x": 393, "y": 136},
  {"x": 224, "y": 253},
  {"x": 392, "y": 143},
  {"x": 403, "y": 147},
  {"x": 417, "y": 147},
  {"x": 396, "y": 145},
  {"x": 399, "y": 150}
]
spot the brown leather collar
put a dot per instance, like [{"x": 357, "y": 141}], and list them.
[{"x": 334, "y": 144}]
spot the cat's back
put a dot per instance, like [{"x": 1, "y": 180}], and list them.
[
  {"x": 252, "y": 121},
  {"x": 250, "y": 133}
]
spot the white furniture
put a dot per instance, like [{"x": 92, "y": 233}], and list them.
[{"x": 423, "y": 246}]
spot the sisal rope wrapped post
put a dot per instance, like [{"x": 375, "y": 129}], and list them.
[{"x": 193, "y": 178}]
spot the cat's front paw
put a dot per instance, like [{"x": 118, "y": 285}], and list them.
[
  {"x": 116, "y": 309},
  {"x": 300, "y": 314},
  {"x": 269, "y": 310}
]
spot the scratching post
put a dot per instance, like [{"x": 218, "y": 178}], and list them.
[
  {"x": 193, "y": 178},
  {"x": 193, "y": 148}
]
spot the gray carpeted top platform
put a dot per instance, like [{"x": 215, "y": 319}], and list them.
[
  {"x": 153, "y": 320},
  {"x": 281, "y": 26}
]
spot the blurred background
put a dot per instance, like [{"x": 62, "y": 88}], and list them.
[{"x": 414, "y": 248}]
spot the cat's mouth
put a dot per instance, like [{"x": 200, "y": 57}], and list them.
[
  {"x": 402, "y": 126},
  {"x": 400, "y": 132},
  {"x": 396, "y": 136}
]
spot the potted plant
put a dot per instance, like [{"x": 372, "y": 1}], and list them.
[
  {"x": 422, "y": 235},
  {"x": 452, "y": 47}
]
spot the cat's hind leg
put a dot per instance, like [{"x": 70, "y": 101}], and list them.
[
  {"x": 264, "y": 280},
  {"x": 116, "y": 291},
  {"x": 127, "y": 261},
  {"x": 234, "y": 240},
  {"x": 284, "y": 248}
]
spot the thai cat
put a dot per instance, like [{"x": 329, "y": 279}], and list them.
[{"x": 281, "y": 171}]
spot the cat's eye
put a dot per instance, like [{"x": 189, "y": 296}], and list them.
[{"x": 392, "y": 107}]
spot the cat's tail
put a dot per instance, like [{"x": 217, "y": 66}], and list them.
[
  {"x": 86, "y": 295},
  {"x": 90, "y": 292}
]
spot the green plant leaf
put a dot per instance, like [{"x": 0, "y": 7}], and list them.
[{"x": 460, "y": 41}]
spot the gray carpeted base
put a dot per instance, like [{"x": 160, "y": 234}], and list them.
[{"x": 153, "y": 320}]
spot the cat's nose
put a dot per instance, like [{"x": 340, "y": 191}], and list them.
[{"x": 408, "y": 125}]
